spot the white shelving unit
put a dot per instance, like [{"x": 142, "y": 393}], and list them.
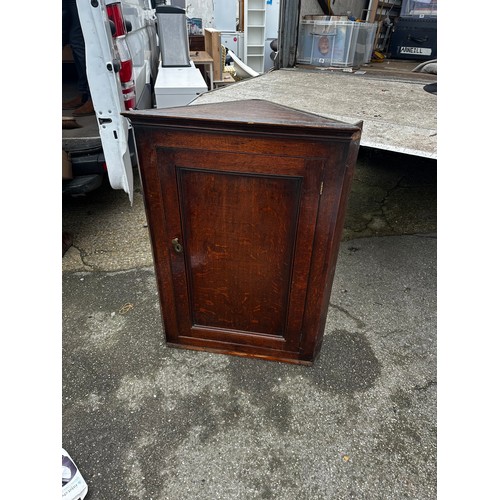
[{"x": 255, "y": 34}]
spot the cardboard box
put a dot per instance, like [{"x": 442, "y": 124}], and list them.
[
  {"x": 67, "y": 54},
  {"x": 67, "y": 170}
]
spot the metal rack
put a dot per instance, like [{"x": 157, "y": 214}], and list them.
[{"x": 384, "y": 13}]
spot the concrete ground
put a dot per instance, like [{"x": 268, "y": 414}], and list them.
[{"x": 143, "y": 421}]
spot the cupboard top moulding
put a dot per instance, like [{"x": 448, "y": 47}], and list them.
[
  {"x": 255, "y": 116},
  {"x": 245, "y": 203}
]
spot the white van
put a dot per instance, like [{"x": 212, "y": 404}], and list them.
[{"x": 122, "y": 56}]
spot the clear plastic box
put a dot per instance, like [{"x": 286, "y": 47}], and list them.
[
  {"x": 364, "y": 43},
  {"x": 420, "y": 8},
  {"x": 327, "y": 41}
]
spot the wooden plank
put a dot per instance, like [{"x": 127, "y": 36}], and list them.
[
  {"x": 201, "y": 57},
  {"x": 373, "y": 12},
  {"x": 213, "y": 47},
  {"x": 241, "y": 23},
  {"x": 225, "y": 80}
]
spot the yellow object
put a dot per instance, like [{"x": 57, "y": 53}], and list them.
[
  {"x": 377, "y": 56},
  {"x": 230, "y": 69}
]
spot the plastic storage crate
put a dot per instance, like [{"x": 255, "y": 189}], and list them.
[{"x": 327, "y": 41}]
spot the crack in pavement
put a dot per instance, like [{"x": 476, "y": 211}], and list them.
[{"x": 359, "y": 323}]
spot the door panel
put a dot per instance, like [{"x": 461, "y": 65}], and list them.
[
  {"x": 246, "y": 235},
  {"x": 239, "y": 248}
]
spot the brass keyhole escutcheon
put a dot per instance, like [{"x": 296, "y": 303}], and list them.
[{"x": 177, "y": 246}]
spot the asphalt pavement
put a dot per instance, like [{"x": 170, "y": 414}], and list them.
[{"x": 146, "y": 421}]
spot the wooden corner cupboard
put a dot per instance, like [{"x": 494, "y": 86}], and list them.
[{"x": 245, "y": 203}]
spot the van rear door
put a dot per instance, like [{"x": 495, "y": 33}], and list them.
[{"x": 105, "y": 56}]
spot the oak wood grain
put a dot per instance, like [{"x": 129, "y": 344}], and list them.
[{"x": 245, "y": 204}]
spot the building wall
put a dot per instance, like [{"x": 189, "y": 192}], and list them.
[
  {"x": 206, "y": 9},
  {"x": 310, "y": 7},
  {"x": 355, "y": 7}
]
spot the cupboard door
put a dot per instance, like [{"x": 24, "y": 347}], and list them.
[{"x": 240, "y": 231}]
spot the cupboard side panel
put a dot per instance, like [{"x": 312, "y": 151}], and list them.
[
  {"x": 350, "y": 165},
  {"x": 337, "y": 178}
]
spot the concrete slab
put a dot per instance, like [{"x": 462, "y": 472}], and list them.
[
  {"x": 398, "y": 114},
  {"x": 144, "y": 421}
]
